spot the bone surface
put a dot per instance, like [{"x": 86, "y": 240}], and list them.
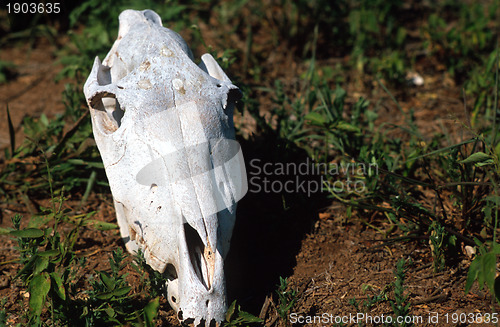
[{"x": 164, "y": 128}]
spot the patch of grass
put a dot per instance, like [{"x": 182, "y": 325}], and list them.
[
  {"x": 51, "y": 272},
  {"x": 155, "y": 283},
  {"x": 65, "y": 152},
  {"x": 3, "y": 312},
  {"x": 286, "y": 298},
  {"x": 462, "y": 45},
  {"x": 52, "y": 275},
  {"x": 110, "y": 300},
  {"x": 400, "y": 305},
  {"x": 483, "y": 267},
  {"x": 372, "y": 300},
  {"x": 400, "y": 170}
]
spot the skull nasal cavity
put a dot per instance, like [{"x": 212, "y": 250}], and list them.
[{"x": 196, "y": 250}]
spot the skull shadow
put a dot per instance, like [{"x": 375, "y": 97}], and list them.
[{"x": 272, "y": 219}]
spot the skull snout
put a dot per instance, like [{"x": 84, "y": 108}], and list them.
[{"x": 198, "y": 292}]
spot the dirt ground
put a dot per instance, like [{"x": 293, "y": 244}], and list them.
[
  {"x": 329, "y": 260},
  {"x": 33, "y": 91}
]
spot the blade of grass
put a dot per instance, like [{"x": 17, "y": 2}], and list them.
[
  {"x": 442, "y": 150},
  {"x": 12, "y": 133},
  {"x": 392, "y": 97},
  {"x": 495, "y": 108},
  {"x": 90, "y": 185},
  {"x": 70, "y": 133}
]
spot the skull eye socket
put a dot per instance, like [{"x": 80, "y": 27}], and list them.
[{"x": 107, "y": 112}]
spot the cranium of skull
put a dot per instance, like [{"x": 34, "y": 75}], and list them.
[{"x": 164, "y": 128}]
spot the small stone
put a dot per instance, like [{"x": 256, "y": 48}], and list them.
[
  {"x": 470, "y": 251},
  {"x": 414, "y": 79},
  {"x": 4, "y": 282}
]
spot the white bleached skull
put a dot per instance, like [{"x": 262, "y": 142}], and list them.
[{"x": 164, "y": 128}]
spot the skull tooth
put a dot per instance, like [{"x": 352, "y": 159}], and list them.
[{"x": 173, "y": 294}]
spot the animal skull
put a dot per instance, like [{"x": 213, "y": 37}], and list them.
[{"x": 164, "y": 128}]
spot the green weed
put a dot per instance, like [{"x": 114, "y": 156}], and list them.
[
  {"x": 3, "y": 312},
  {"x": 372, "y": 300},
  {"x": 400, "y": 305},
  {"x": 483, "y": 268},
  {"x": 155, "y": 282},
  {"x": 49, "y": 272},
  {"x": 237, "y": 317},
  {"x": 286, "y": 298}
]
